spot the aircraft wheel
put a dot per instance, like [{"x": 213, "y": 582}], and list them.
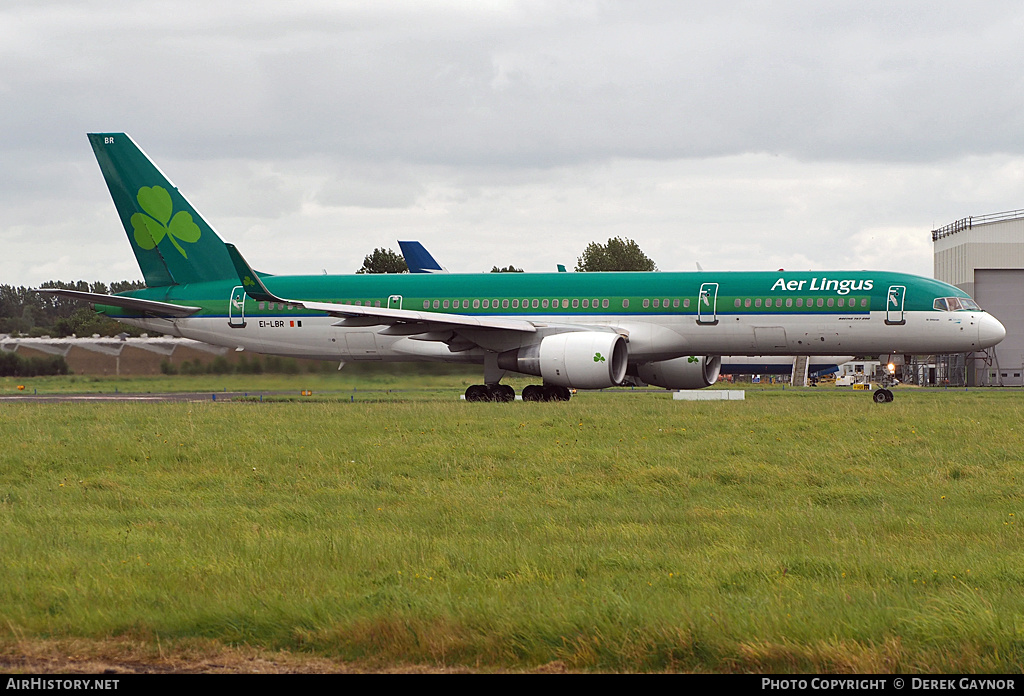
[
  {"x": 533, "y": 392},
  {"x": 882, "y": 396},
  {"x": 478, "y": 392},
  {"x": 554, "y": 392},
  {"x": 503, "y": 393}
]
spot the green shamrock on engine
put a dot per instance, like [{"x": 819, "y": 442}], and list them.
[
  {"x": 598, "y": 357},
  {"x": 151, "y": 228}
]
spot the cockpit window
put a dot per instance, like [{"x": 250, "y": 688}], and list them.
[{"x": 953, "y": 304}]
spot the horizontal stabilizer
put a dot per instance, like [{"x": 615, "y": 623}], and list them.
[{"x": 157, "y": 309}]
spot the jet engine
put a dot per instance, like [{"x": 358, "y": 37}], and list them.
[
  {"x": 581, "y": 359},
  {"x": 692, "y": 372}
]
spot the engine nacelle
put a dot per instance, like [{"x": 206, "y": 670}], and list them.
[
  {"x": 581, "y": 359},
  {"x": 693, "y": 372}
]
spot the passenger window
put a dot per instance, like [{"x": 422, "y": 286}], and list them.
[
  {"x": 426, "y": 304},
  {"x": 575, "y": 304},
  {"x": 436, "y": 304},
  {"x": 543, "y": 303},
  {"x": 686, "y": 303},
  {"x": 675, "y": 303},
  {"x": 799, "y": 302},
  {"x": 565, "y": 304},
  {"x": 487, "y": 304},
  {"x": 535, "y": 304},
  {"x": 757, "y": 302},
  {"x": 656, "y": 303},
  {"x": 789, "y": 301},
  {"x": 515, "y": 304},
  {"x": 476, "y": 304},
  {"x": 864, "y": 302},
  {"x": 625, "y": 303},
  {"x": 647, "y": 303},
  {"x": 746, "y": 302},
  {"x": 586, "y": 304},
  {"x": 821, "y": 302},
  {"x": 262, "y": 305},
  {"x": 445, "y": 304},
  {"x": 504, "y": 304},
  {"x": 831, "y": 301},
  {"x": 737, "y": 302},
  {"x": 604, "y": 303}
]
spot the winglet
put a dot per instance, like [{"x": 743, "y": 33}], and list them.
[{"x": 249, "y": 279}]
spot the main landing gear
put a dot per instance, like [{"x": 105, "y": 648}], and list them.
[
  {"x": 503, "y": 392},
  {"x": 493, "y": 390}
]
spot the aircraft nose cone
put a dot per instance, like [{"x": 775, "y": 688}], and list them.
[{"x": 990, "y": 331}]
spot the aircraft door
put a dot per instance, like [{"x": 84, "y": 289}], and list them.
[
  {"x": 707, "y": 304},
  {"x": 236, "y": 308},
  {"x": 894, "y": 305}
]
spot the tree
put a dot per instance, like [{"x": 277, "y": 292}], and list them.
[
  {"x": 617, "y": 255},
  {"x": 508, "y": 269},
  {"x": 384, "y": 261}
]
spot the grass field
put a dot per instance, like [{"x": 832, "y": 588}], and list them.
[{"x": 795, "y": 531}]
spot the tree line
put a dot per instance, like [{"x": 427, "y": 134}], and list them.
[
  {"x": 24, "y": 312},
  {"x": 617, "y": 254}
]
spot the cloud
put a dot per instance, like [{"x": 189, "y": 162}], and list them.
[{"x": 736, "y": 134}]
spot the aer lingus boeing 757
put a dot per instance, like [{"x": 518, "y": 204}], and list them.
[{"x": 573, "y": 330}]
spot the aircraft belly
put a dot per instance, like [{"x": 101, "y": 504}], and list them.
[{"x": 215, "y": 330}]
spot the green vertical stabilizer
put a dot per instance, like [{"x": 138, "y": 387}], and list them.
[{"x": 174, "y": 245}]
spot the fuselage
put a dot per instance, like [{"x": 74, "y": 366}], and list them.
[{"x": 664, "y": 315}]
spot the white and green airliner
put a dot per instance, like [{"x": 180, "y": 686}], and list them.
[{"x": 572, "y": 330}]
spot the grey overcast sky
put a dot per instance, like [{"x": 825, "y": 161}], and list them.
[{"x": 738, "y": 135}]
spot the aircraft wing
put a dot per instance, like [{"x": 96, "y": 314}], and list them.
[
  {"x": 157, "y": 309},
  {"x": 353, "y": 315}
]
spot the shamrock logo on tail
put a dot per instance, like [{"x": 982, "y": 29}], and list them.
[
  {"x": 151, "y": 227},
  {"x": 692, "y": 359},
  {"x": 598, "y": 357}
]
